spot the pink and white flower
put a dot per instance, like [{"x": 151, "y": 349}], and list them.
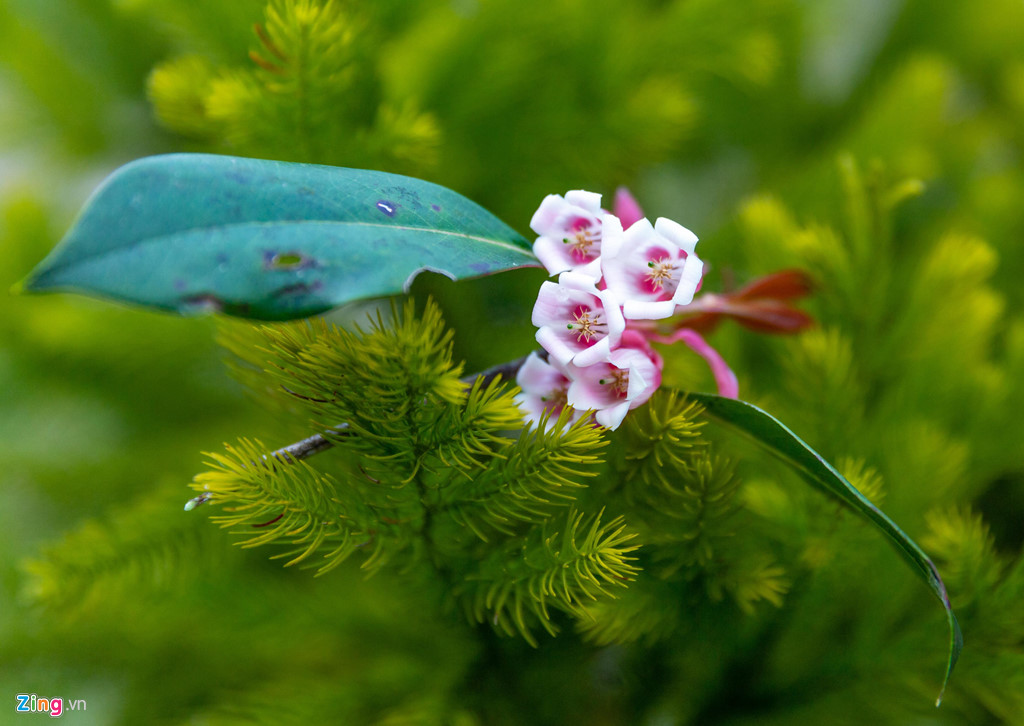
[
  {"x": 652, "y": 269},
  {"x": 577, "y": 322},
  {"x": 616, "y": 273},
  {"x": 625, "y": 380},
  {"x": 544, "y": 390},
  {"x": 571, "y": 232}
]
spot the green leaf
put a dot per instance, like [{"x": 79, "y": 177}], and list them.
[
  {"x": 774, "y": 436},
  {"x": 268, "y": 239}
]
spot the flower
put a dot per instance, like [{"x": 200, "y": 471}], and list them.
[
  {"x": 617, "y": 273},
  {"x": 625, "y": 380},
  {"x": 571, "y": 232},
  {"x": 578, "y": 323},
  {"x": 545, "y": 387},
  {"x": 652, "y": 269}
]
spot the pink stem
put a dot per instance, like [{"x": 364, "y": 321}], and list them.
[{"x": 728, "y": 386}]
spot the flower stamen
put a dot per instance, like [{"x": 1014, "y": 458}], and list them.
[
  {"x": 660, "y": 271},
  {"x": 586, "y": 326},
  {"x": 582, "y": 241},
  {"x": 556, "y": 400},
  {"x": 618, "y": 381}
]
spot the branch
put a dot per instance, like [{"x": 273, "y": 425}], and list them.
[{"x": 319, "y": 442}]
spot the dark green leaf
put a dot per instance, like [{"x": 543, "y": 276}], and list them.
[
  {"x": 267, "y": 239},
  {"x": 774, "y": 436}
]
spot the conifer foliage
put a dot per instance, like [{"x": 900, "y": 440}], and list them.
[
  {"x": 432, "y": 474},
  {"x": 309, "y": 94},
  {"x": 435, "y": 563}
]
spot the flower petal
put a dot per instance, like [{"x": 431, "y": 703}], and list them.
[
  {"x": 677, "y": 233},
  {"x": 544, "y": 387},
  {"x": 649, "y": 272},
  {"x": 590, "y": 201},
  {"x": 577, "y": 319},
  {"x": 626, "y": 208},
  {"x": 625, "y": 380},
  {"x": 570, "y": 230},
  {"x": 611, "y": 418},
  {"x": 689, "y": 280}
]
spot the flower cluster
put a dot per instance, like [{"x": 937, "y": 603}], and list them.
[{"x": 616, "y": 274}]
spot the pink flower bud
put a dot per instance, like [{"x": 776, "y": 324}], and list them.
[{"x": 626, "y": 208}]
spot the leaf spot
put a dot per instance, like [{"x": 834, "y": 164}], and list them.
[
  {"x": 435, "y": 207},
  {"x": 286, "y": 261},
  {"x": 389, "y": 208}
]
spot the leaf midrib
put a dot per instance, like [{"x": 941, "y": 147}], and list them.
[{"x": 98, "y": 255}]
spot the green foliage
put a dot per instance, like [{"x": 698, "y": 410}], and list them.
[
  {"x": 659, "y": 441},
  {"x": 880, "y": 375},
  {"x": 290, "y": 503},
  {"x": 423, "y": 476},
  {"x": 911, "y": 384},
  {"x": 539, "y": 474},
  {"x": 312, "y": 93},
  {"x": 269, "y": 240},
  {"x": 112, "y": 558},
  {"x": 564, "y": 564},
  {"x": 425, "y": 470},
  {"x": 990, "y": 585}
]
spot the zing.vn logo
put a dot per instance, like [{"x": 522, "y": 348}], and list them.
[{"x": 30, "y": 703}]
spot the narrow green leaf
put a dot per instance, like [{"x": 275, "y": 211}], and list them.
[
  {"x": 774, "y": 436},
  {"x": 268, "y": 239}
]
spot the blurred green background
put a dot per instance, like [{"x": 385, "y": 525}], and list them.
[{"x": 781, "y": 131}]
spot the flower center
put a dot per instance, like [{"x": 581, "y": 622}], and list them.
[
  {"x": 556, "y": 400},
  {"x": 586, "y": 324},
  {"x": 582, "y": 242},
  {"x": 659, "y": 271},
  {"x": 618, "y": 382}
]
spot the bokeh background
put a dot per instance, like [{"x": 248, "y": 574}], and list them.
[{"x": 876, "y": 143}]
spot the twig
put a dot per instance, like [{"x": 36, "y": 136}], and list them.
[{"x": 316, "y": 443}]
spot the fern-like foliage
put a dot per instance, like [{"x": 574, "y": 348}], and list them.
[
  {"x": 436, "y": 476},
  {"x": 988, "y": 587},
  {"x": 425, "y": 470},
  {"x": 104, "y": 559},
  {"x": 684, "y": 497},
  {"x": 639, "y": 614},
  {"x": 311, "y": 94},
  {"x": 540, "y": 473},
  {"x": 684, "y": 502},
  {"x": 658, "y": 441},
  {"x": 564, "y": 564},
  {"x": 285, "y": 502}
]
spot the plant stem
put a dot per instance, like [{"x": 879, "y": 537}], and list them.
[{"x": 316, "y": 443}]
